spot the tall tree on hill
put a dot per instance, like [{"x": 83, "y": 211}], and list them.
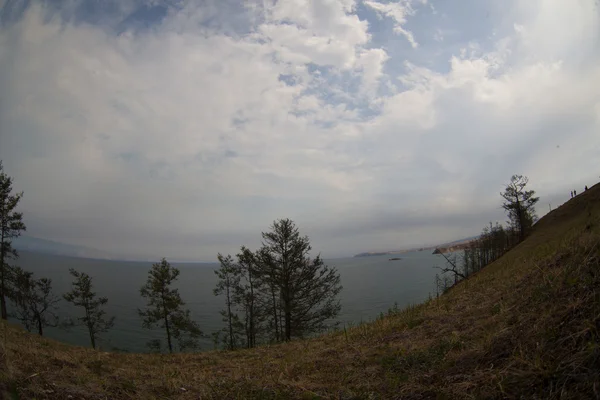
[
  {"x": 245, "y": 299},
  {"x": 247, "y": 295},
  {"x": 11, "y": 226},
  {"x": 520, "y": 204},
  {"x": 35, "y": 303},
  {"x": 270, "y": 293},
  {"x": 165, "y": 308},
  {"x": 306, "y": 288},
  {"x": 82, "y": 296},
  {"x": 229, "y": 281}
]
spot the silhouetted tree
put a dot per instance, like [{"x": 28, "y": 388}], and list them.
[
  {"x": 269, "y": 293},
  {"x": 303, "y": 290},
  {"x": 94, "y": 319},
  {"x": 11, "y": 226},
  {"x": 247, "y": 300},
  {"x": 247, "y": 295},
  {"x": 34, "y": 301},
  {"x": 520, "y": 204},
  {"x": 229, "y": 281},
  {"x": 165, "y": 308}
]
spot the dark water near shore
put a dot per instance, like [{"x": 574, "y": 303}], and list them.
[{"x": 371, "y": 285}]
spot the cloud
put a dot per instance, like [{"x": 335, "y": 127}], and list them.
[
  {"x": 185, "y": 131},
  {"x": 321, "y": 32},
  {"x": 399, "y": 12}
]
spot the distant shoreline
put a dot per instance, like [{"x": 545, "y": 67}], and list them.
[
  {"x": 438, "y": 249},
  {"x": 388, "y": 253}
]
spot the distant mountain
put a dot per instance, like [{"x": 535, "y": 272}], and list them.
[
  {"x": 37, "y": 245},
  {"x": 44, "y": 246},
  {"x": 461, "y": 241},
  {"x": 387, "y": 253},
  {"x": 449, "y": 244}
]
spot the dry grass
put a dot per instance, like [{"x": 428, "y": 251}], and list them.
[{"x": 526, "y": 326}]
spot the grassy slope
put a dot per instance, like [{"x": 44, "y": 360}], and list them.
[{"x": 527, "y": 326}]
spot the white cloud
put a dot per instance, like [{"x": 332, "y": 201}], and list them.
[
  {"x": 370, "y": 63},
  {"x": 558, "y": 30},
  {"x": 186, "y": 140},
  {"x": 399, "y": 11},
  {"x": 323, "y": 31}
]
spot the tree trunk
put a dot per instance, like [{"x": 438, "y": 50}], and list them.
[
  {"x": 286, "y": 296},
  {"x": 89, "y": 326},
  {"x": 521, "y": 219},
  {"x": 2, "y": 288},
  {"x": 251, "y": 334},
  {"x": 229, "y": 318},
  {"x": 275, "y": 318},
  {"x": 287, "y": 315},
  {"x": 92, "y": 338},
  {"x": 168, "y": 334},
  {"x": 166, "y": 316},
  {"x": 288, "y": 325},
  {"x": 40, "y": 327}
]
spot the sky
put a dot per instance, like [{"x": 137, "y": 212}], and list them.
[{"x": 182, "y": 129}]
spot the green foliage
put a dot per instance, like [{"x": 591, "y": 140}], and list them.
[
  {"x": 303, "y": 290},
  {"x": 165, "y": 309},
  {"x": 82, "y": 295},
  {"x": 11, "y": 226},
  {"x": 34, "y": 301},
  {"x": 246, "y": 304},
  {"x": 276, "y": 293}
]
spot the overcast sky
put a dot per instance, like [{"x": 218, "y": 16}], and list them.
[{"x": 154, "y": 128}]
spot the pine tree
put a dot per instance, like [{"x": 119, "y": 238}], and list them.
[
  {"x": 247, "y": 295},
  {"x": 245, "y": 300},
  {"x": 34, "y": 301},
  {"x": 520, "y": 204},
  {"x": 304, "y": 291},
  {"x": 82, "y": 296},
  {"x": 229, "y": 275},
  {"x": 165, "y": 308},
  {"x": 11, "y": 226},
  {"x": 269, "y": 292}
]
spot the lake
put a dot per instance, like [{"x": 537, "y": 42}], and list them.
[{"x": 371, "y": 285}]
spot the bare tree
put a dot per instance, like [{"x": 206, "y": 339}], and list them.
[
  {"x": 453, "y": 267},
  {"x": 35, "y": 303}
]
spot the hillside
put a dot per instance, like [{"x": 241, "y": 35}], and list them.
[{"x": 527, "y": 326}]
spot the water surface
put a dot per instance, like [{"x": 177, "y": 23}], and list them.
[{"x": 371, "y": 285}]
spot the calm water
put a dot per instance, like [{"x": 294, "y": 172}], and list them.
[{"x": 371, "y": 285}]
